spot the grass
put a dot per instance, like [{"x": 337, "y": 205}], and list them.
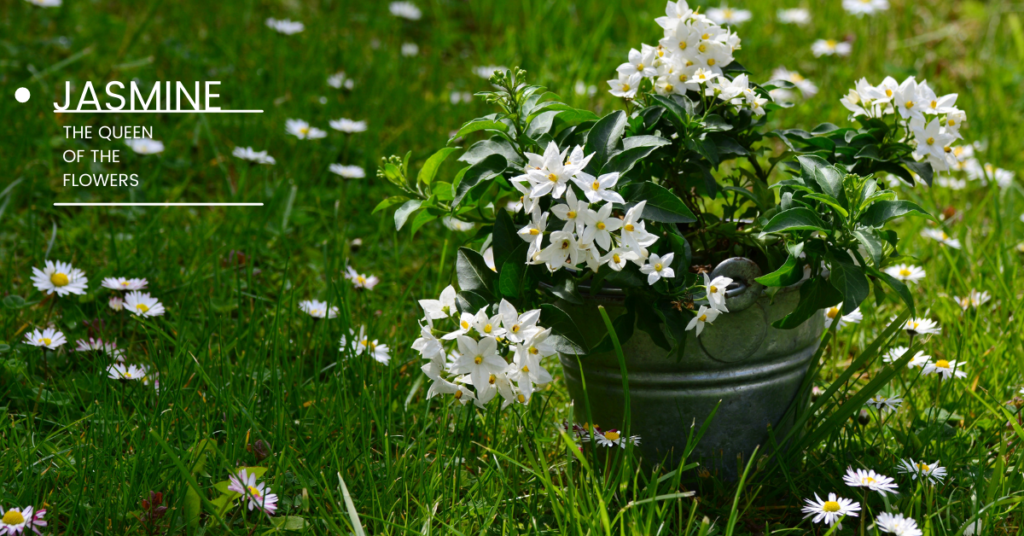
[{"x": 354, "y": 445}]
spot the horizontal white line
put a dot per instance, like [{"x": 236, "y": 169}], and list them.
[
  {"x": 158, "y": 204},
  {"x": 158, "y": 111}
]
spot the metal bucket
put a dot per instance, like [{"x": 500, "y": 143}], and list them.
[{"x": 755, "y": 370}]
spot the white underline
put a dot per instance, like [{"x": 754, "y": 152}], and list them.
[
  {"x": 158, "y": 111},
  {"x": 158, "y": 204}
]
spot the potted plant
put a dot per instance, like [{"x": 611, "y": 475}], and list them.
[{"x": 711, "y": 243}]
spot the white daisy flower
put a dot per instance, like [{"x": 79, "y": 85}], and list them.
[
  {"x": 348, "y": 126},
  {"x": 973, "y": 299},
  {"x": 906, "y": 272},
  {"x": 705, "y": 315},
  {"x": 340, "y": 80},
  {"x": 47, "y": 338},
  {"x": 301, "y": 129},
  {"x": 258, "y": 494},
  {"x": 116, "y": 303},
  {"x": 941, "y": 236},
  {"x": 830, "y": 47},
  {"x": 806, "y": 87},
  {"x": 121, "y": 371},
  {"x": 361, "y": 280},
  {"x": 16, "y": 521},
  {"x": 881, "y": 402},
  {"x": 405, "y": 10},
  {"x": 830, "y": 511},
  {"x": 798, "y": 16},
  {"x": 945, "y": 369},
  {"x": 360, "y": 343},
  {"x": 109, "y": 348},
  {"x": 922, "y": 326},
  {"x": 919, "y": 359},
  {"x": 897, "y": 524},
  {"x": 836, "y": 312},
  {"x": 865, "y": 7},
  {"x": 285, "y": 26},
  {"x": 347, "y": 172},
  {"x": 727, "y": 15},
  {"x": 318, "y": 309},
  {"x": 932, "y": 473},
  {"x": 121, "y": 283},
  {"x": 45, "y": 3},
  {"x": 142, "y": 304},
  {"x": 974, "y": 529},
  {"x": 410, "y": 49},
  {"x": 145, "y": 145},
  {"x": 59, "y": 277},
  {"x": 866, "y": 478},
  {"x": 613, "y": 438},
  {"x": 252, "y": 155}
]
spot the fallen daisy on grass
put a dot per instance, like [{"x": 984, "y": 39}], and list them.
[
  {"x": 932, "y": 473},
  {"x": 145, "y": 146},
  {"x": 865, "y": 7},
  {"x": 834, "y": 314},
  {"x": 894, "y": 354},
  {"x": 348, "y": 126},
  {"x": 830, "y": 511},
  {"x": 252, "y": 155},
  {"x": 830, "y": 47},
  {"x": 45, "y": 3},
  {"x": 121, "y": 283},
  {"x": 897, "y": 524},
  {"x": 880, "y": 402},
  {"x": 347, "y": 172},
  {"x": 728, "y": 15},
  {"x": 121, "y": 371},
  {"x": 866, "y": 478},
  {"x": 15, "y": 521},
  {"x": 941, "y": 236},
  {"x": 922, "y": 326},
  {"x": 47, "y": 338},
  {"x": 906, "y": 272},
  {"x": 258, "y": 494},
  {"x": 59, "y": 277},
  {"x": 301, "y": 129},
  {"x": 457, "y": 225},
  {"x": 806, "y": 87},
  {"x": 361, "y": 280},
  {"x": 945, "y": 369},
  {"x": 116, "y": 303},
  {"x": 285, "y": 26},
  {"x": 410, "y": 49},
  {"x": 318, "y": 309},
  {"x": 142, "y": 304},
  {"x": 973, "y": 299}
]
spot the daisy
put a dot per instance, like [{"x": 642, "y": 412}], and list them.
[
  {"x": 919, "y": 359},
  {"x": 613, "y": 438},
  {"x": 897, "y": 524},
  {"x": 347, "y": 172},
  {"x": 116, "y": 303},
  {"x": 405, "y": 10},
  {"x": 906, "y": 272},
  {"x": 348, "y": 125},
  {"x": 834, "y": 314},
  {"x": 360, "y": 343},
  {"x": 727, "y": 15},
  {"x": 48, "y": 338},
  {"x": 932, "y": 473},
  {"x": 142, "y": 304},
  {"x": 798, "y": 16},
  {"x": 120, "y": 371},
  {"x": 658, "y": 267},
  {"x": 59, "y": 277},
  {"x": 941, "y": 236},
  {"x": 866, "y": 478},
  {"x": 109, "y": 348},
  {"x": 16, "y": 520},
  {"x": 340, "y": 80},
  {"x": 45, "y": 3},
  {"x": 883, "y": 402},
  {"x": 259, "y": 494},
  {"x": 410, "y": 49},
  {"x": 973, "y": 299},
  {"x": 922, "y": 326},
  {"x": 250, "y": 154},
  {"x": 831, "y": 510},
  {"x": 318, "y": 309},
  {"x": 120, "y": 283},
  {"x": 360, "y": 280},
  {"x": 865, "y": 7},
  {"x": 285, "y": 26},
  {"x": 145, "y": 146},
  {"x": 705, "y": 315},
  {"x": 379, "y": 352},
  {"x": 945, "y": 369},
  {"x": 806, "y": 87},
  {"x": 301, "y": 129},
  {"x": 830, "y": 47}
]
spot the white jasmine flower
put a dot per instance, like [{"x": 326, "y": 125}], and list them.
[
  {"x": 894, "y": 354},
  {"x": 47, "y": 338},
  {"x": 145, "y": 145},
  {"x": 941, "y": 236},
  {"x": 922, "y": 326},
  {"x": 116, "y": 303},
  {"x": 830, "y": 511},
  {"x": 248, "y": 153},
  {"x": 866, "y": 478},
  {"x": 59, "y": 277},
  {"x": 318, "y": 309},
  {"x": 881, "y": 402},
  {"x": 534, "y": 232},
  {"x": 634, "y": 235},
  {"x": 625, "y": 86},
  {"x": 641, "y": 63},
  {"x": 906, "y": 272},
  {"x": 563, "y": 251},
  {"x": 834, "y": 312},
  {"x": 479, "y": 360},
  {"x": 600, "y": 188},
  {"x": 360, "y": 280},
  {"x": 121, "y": 283},
  {"x": 17, "y": 521},
  {"x": 715, "y": 290},
  {"x": 142, "y": 304},
  {"x": 617, "y": 258},
  {"x": 600, "y": 226},
  {"x": 973, "y": 299},
  {"x": 573, "y": 212},
  {"x": 429, "y": 346},
  {"x": 443, "y": 307},
  {"x": 932, "y": 473},
  {"x": 459, "y": 392},
  {"x": 727, "y": 15},
  {"x": 340, "y": 80},
  {"x": 301, "y": 129},
  {"x": 285, "y": 26},
  {"x": 120, "y": 371},
  {"x": 705, "y": 315},
  {"x": 675, "y": 12},
  {"x": 865, "y": 7},
  {"x": 945, "y": 369},
  {"x": 457, "y": 224},
  {"x": 897, "y": 524},
  {"x": 798, "y": 16},
  {"x": 931, "y": 139},
  {"x": 405, "y": 10},
  {"x": 830, "y": 47},
  {"x": 658, "y": 267},
  {"x": 554, "y": 175},
  {"x": 258, "y": 494},
  {"x": 347, "y": 172},
  {"x": 908, "y": 101},
  {"x": 465, "y": 324},
  {"x": 973, "y": 529},
  {"x": 348, "y": 126},
  {"x": 518, "y": 328},
  {"x": 487, "y": 326}
]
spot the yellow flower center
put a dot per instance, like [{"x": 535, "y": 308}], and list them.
[
  {"x": 924, "y": 467},
  {"x": 713, "y": 289},
  {"x": 867, "y": 480},
  {"x": 534, "y": 232},
  {"x": 600, "y": 225},
  {"x": 934, "y": 104},
  {"x": 464, "y": 324},
  {"x": 830, "y": 43},
  {"x": 533, "y": 350},
  {"x": 612, "y": 436},
  {"x": 625, "y": 87},
  {"x": 930, "y": 141},
  {"x": 254, "y": 492},
  {"x": 947, "y": 149},
  {"x": 888, "y": 92},
  {"x": 711, "y": 61},
  {"x": 565, "y": 244},
  {"x": 361, "y": 280},
  {"x": 552, "y": 177},
  {"x": 909, "y": 104},
  {"x": 703, "y": 318},
  {"x": 45, "y": 341},
  {"x": 478, "y": 359},
  {"x": 142, "y": 307},
  {"x": 832, "y": 312},
  {"x": 127, "y": 375},
  {"x": 942, "y": 363},
  {"x": 705, "y": 36},
  {"x": 702, "y": 47},
  {"x": 488, "y": 328},
  {"x": 13, "y": 517},
  {"x": 668, "y": 88},
  {"x": 515, "y": 328},
  {"x": 616, "y": 258},
  {"x": 492, "y": 379},
  {"x": 796, "y": 77},
  {"x": 458, "y": 394},
  {"x": 521, "y": 398},
  {"x": 904, "y": 272},
  {"x": 124, "y": 283},
  {"x": 628, "y": 227},
  {"x": 304, "y": 130},
  {"x": 526, "y": 368},
  {"x": 640, "y": 67},
  {"x": 657, "y": 267},
  {"x": 597, "y": 185},
  {"x": 682, "y": 45},
  {"x": 59, "y": 279},
  {"x": 571, "y": 214},
  {"x": 682, "y": 78},
  {"x": 951, "y": 123},
  {"x": 830, "y": 506}
]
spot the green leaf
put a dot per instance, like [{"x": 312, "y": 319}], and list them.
[
  {"x": 424, "y": 218},
  {"x": 643, "y": 141},
  {"x": 14, "y": 302},
  {"x": 787, "y": 274},
  {"x": 473, "y": 273},
  {"x": 882, "y": 211},
  {"x": 650, "y": 322},
  {"x": 513, "y": 272},
  {"x": 442, "y": 190},
  {"x": 795, "y": 219},
  {"x": 662, "y": 205},
  {"x": 406, "y": 210},
  {"x": 484, "y": 170},
  {"x": 542, "y": 124},
  {"x": 506, "y": 239},
  {"x": 477, "y": 125},
  {"x": 849, "y": 279},
  {"x": 815, "y": 294},
  {"x": 389, "y": 202},
  {"x": 922, "y": 169},
  {"x": 676, "y": 113},
  {"x": 571, "y": 340},
  {"x": 429, "y": 169},
  {"x": 289, "y": 522},
  {"x": 486, "y": 148},
  {"x": 605, "y": 136},
  {"x": 830, "y": 201},
  {"x": 624, "y": 161},
  {"x": 871, "y": 242},
  {"x": 624, "y": 325},
  {"x": 828, "y": 177}
]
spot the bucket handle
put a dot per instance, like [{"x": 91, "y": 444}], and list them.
[{"x": 744, "y": 290}]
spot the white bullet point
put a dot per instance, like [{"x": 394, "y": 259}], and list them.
[{"x": 22, "y": 94}]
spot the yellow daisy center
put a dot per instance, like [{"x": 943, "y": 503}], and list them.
[
  {"x": 45, "y": 341},
  {"x": 254, "y": 492},
  {"x": 830, "y": 506},
  {"x": 942, "y": 363},
  {"x": 924, "y": 467},
  {"x": 127, "y": 374},
  {"x": 13, "y": 517},
  {"x": 361, "y": 280},
  {"x": 832, "y": 312},
  {"x": 124, "y": 283},
  {"x": 59, "y": 279},
  {"x": 904, "y": 272},
  {"x": 304, "y": 130},
  {"x": 478, "y": 359},
  {"x": 142, "y": 307},
  {"x": 612, "y": 436}
]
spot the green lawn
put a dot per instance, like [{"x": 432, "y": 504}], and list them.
[{"x": 354, "y": 445}]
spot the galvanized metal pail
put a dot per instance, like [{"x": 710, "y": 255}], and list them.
[{"x": 755, "y": 370}]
